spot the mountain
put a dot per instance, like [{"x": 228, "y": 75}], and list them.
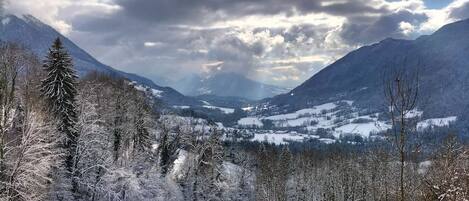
[
  {"x": 227, "y": 85},
  {"x": 441, "y": 60},
  {"x": 37, "y": 36}
]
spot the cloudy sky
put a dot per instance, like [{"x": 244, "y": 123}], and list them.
[{"x": 281, "y": 42}]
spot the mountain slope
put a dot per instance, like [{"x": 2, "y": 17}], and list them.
[
  {"x": 37, "y": 36},
  {"x": 441, "y": 60},
  {"x": 227, "y": 85}
]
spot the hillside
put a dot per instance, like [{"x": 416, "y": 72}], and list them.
[
  {"x": 441, "y": 60},
  {"x": 37, "y": 36}
]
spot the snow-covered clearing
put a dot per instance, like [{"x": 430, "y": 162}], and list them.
[
  {"x": 435, "y": 122},
  {"x": 309, "y": 111},
  {"x": 250, "y": 121},
  {"x": 223, "y": 109},
  {"x": 363, "y": 129},
  {"x": 281, "y": 138}
]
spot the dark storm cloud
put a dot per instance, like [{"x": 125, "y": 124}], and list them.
[
  {"x": 205, "y": 11},
  {"x": 357, "y": 32},
  {"x": 236, "y": 55},
  {"x": 179, "y": 34},
  {"x": 352, "y": 8}
]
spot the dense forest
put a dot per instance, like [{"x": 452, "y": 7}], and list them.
[{"x": 99, "y": 138}]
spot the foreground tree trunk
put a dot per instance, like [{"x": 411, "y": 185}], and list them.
[{"x": 401, "y": 92}]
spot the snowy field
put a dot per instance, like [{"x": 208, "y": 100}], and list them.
[
  {"x": 337, "y": 118},
  {"x": 223, "y": 109},
  {"x": 333, "y": 120},
  {"x": 282, "y": 138},
  {"x": 250, "y": 122},
  {"x": 435, "y": 122},
  {"x": 330, "y": 116}
]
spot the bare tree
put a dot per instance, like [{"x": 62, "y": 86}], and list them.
[
  {"x": 31, "y": 160},
  {"x": 10, "y": 64},
  {"x": 401, "y": 93}
]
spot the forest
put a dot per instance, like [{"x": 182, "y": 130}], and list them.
[{"x": 96, "y": 137}]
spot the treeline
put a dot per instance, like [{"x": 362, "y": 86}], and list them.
[{"x": 370, "y": 173}]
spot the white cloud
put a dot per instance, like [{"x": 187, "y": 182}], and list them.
[
  {"x": 301, "y": 59},
  {"x": 406, "y": 27},
  {"x": 153, "y": 44},
  {"x": 440, "y": 17},
  {"x": 53, "y": 12}
]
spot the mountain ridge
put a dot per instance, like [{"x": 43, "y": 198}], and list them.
[
  {"x": 37, "y": 36},
  {"x": 358, "y": 76}
]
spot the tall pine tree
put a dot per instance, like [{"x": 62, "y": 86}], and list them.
[{"x": 58, "y": 90}]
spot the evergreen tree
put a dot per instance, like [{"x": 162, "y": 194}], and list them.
[{"x": 58, "y": 90}]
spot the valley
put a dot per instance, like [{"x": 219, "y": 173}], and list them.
[{"x": 376, "y": 113}]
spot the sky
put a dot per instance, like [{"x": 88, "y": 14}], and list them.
[{"x": 279, "y": 42}]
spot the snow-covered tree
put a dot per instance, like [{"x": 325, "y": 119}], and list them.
[
  {"x": 59, "y": 92},
  {"x": 31, "y": 160},
  {"x": 10, "y": 63}
]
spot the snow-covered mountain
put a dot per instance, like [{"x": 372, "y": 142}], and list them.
[
  {"x": 227, "y": 85},
  {"x": 37, "y": 36},
  {"x": 441, "y": 60},
  {"x": 317, "y": 107}
]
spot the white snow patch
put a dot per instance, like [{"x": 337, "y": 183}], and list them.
[
  {"x": 156, "y": 92},
  {"x": 220, "y": 125},
  {"x": 155, "y": 146},
  {"x": 140, "y": 88},
  {"x": 250, "y": 121},
  {"x": 327, "y": 140},
  {"x": 308, "y": 111},
  {"x": 435, "y": 122},
  {"x": 281, "y": 138},
  {"x": 247, "y": 109},
  {"x": 177, "y": 171},
  {"x": 363, "y": 129},
  {"x": 5, "y": 21},
  {"x": 223, "y": 109},
  {"x": 181, "y": 106},
  {"x": 424, "y": 166},
  {"x": 414, "y": 113}
]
